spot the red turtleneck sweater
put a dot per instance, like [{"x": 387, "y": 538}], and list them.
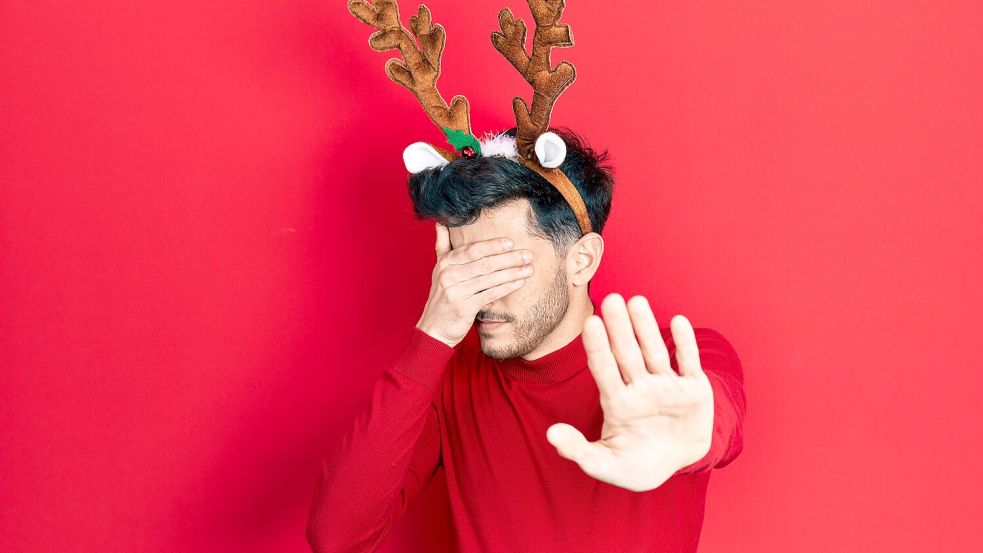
[{"x": 485, "y": 422}]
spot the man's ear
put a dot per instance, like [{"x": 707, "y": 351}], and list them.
[{"x": 585, "y": 258}]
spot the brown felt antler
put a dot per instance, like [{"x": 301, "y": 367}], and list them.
[
  {"x": 547, "y": 83},
  {"x": 421, "y": 68}
]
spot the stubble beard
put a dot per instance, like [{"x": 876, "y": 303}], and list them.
[{"x": 539, "y": 321}]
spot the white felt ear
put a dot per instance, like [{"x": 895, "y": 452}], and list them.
[
  {"x": 420, "y": 155},
  {"x": 550, "y": 149}
]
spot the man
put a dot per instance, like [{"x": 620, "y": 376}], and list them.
[{"x": 561, "y": 424}]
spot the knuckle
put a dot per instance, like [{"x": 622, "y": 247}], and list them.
[{"x": 472, "y": 252}]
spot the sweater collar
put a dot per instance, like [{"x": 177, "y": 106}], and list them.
[{"x": 555, "y": 366}]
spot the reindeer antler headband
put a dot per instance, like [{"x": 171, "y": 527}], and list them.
[{"x": 534, "y": 146}]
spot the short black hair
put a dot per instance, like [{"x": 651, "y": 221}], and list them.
[{"x": 455, "y": 194}]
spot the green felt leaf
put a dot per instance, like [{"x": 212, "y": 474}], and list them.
[{"x": 461, "y": 139}]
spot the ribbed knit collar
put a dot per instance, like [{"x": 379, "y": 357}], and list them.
[{"x": 555, "y": 366}]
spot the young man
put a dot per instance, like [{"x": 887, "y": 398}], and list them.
[{"x": 561, "y": 424}]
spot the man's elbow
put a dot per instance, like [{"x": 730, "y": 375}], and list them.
[
  {"x": 313, "y": 537},
  {"x": 319, "y": 533},
  {"x": 732, "y": 453},
  {"x": 333, "y": 536}
]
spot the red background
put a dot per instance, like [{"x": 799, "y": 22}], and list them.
[{"x": 208, "y": 254}]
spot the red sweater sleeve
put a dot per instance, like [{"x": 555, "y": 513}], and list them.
[
  {"x": 386, "y": 457},
  {"x": 723, "y": 368}
]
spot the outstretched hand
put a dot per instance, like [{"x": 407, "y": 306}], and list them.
[{"x": 655, "y": 420}]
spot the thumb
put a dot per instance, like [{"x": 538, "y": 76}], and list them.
[
  {"x": 568, "y": 441},
  {"x": 443, "y": 244},
  {"x": 594, "y": 459}
]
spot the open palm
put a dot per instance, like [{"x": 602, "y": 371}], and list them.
[{"x": 655, "y": 420}]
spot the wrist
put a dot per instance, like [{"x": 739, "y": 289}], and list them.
[{"x": 437, "y": 335}]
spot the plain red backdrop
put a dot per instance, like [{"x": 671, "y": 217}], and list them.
[{"x": 208, "y": 252}]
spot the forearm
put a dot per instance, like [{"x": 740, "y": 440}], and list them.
[{"x": 361, "y": 489}]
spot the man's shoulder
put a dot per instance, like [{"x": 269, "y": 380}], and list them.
[
  {"x": 715, "y": 350},
  {"x": 712, "y": 338},
  {"x": 706, "y": 338}
]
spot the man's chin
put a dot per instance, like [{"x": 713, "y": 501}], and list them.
[{"x": 496, "y": 346}]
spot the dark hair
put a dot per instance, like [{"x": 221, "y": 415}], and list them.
[{"x": 455, "y": 194}]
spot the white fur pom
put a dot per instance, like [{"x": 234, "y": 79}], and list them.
[{"x": 503, "y": 146}]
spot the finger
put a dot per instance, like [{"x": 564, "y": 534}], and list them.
[
  {"x": 489, "y": 264},
  {"x": 443, "y": 244},
  {"x": 482, "y": 299},
  {"x": 649, "y": 336},
  {"x": 593, "y": 458},
  {"x": 622, "y": 336},
  {"x": 687, "y": 351},
  {"x": 482, "y": 282},
  {"x": 601, "y": 361},
  {"x": 479, "y": 249}
]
